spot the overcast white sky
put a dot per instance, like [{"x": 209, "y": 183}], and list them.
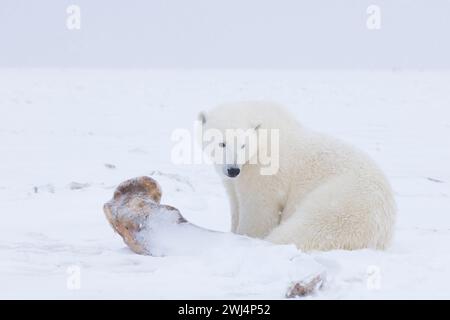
[{"x": 225, "y": 33}]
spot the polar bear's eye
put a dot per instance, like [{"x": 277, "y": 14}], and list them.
[{"x": 222, "y": 144}]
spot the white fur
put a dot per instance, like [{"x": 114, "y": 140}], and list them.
[{"x": 326, "y": 194}]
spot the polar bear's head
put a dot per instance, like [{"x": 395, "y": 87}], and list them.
[{"x": 233, "y": 138}]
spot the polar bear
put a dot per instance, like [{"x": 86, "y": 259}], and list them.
[{"x": 322, "y": 194}]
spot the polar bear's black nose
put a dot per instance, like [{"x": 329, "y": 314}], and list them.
[{"x": 233, "y": 172}]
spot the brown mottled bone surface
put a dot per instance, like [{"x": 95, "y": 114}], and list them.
[
  {"x": 133, "y": 203},
  {"x": 141, "y": 186},
  {"x": 305, "y": 287}
]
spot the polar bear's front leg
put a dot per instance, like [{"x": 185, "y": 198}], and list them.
[
  {"x": 257, "y": 218},
  {"x": 234, "y": 206}
]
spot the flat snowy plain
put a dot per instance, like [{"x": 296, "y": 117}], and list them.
[{"x": 69, "y": 137}]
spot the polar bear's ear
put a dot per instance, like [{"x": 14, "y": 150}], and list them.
[{"x": 202, "y": 117}]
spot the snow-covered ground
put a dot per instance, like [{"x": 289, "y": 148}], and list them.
[{"x": 68, "y": 137}]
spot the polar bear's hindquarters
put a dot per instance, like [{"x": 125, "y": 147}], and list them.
[{"x": 344, "y": 213}]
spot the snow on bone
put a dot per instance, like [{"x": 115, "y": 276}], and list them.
[{"x": 151, "y": 228}]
